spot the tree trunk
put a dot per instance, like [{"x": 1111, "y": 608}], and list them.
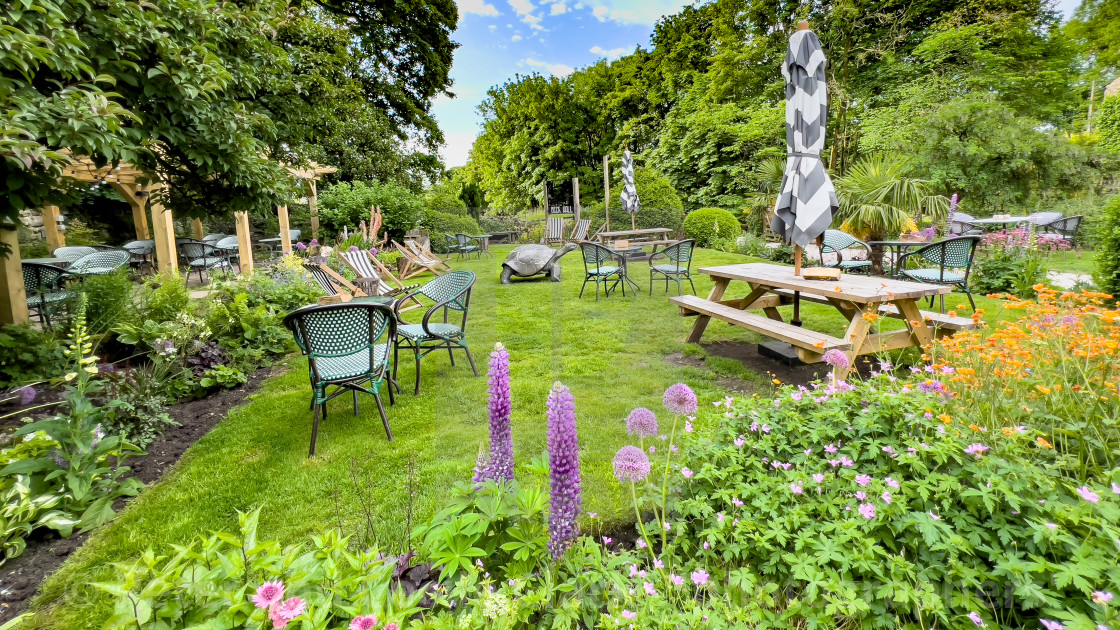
[{"x": 876, "y": 255}]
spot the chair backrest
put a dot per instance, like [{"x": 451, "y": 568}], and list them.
[
  {"x": 579, "y": 232},
  {"x": 451, "y": 240},
  {"x": 681, "y": 252},
  {"x": 1044, "y": 218},
  {"x": 338, "y": 330},
  {"x": 960, "y": 222},
  {"x": 419, "y": 252},
  {"x": 951, "y": 253},
  {"x": 197, "y": 249},
  {"x": 73, "y": 252},
  {"x": 1067, "y": 226},
  {"x": 211, "y": 239},
  {"x": 554, "y": 229},
  {"x": 139, "y": 248},
  {"x": 594, "y": 254},
  {"x": 453, "y": 287},
  {"x": 229, "y": 242},
  {"x": 320, "y": 276},
  {"x": 463, "y": 240},
  {"x": 40, "y": 278},
  {"x": 292, "y": 234},
  {"x": 108, "y": 259}
]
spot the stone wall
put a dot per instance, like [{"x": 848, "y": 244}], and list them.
[{"x": 33, "y": 221}]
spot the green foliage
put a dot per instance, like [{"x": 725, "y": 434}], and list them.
[
  {"x": 879, "y": 199},
  {"x": 707, "y": 224},
  {"x": 110, "y": 300},
  {"x": 281, "y": 290},
  {"x": 163, "y": 297},
  {"x": 661, "y": 205},
  {"x": 223, "y": 377},
  {"x": 136, "y": 404},
  {"x": 1094, "y": 23},
  {"x": 24, "y": 512},
  {"x": 345, "y": 204},
  {"x": 746, "y": 244},
  {"x": 235, "y": 324},
  {"x": 445, "y": 196},
  {"x": 213, "y": 579},
  {"x": 1108, "y": 249},
  {"x": 1108, "y": 124},
  {"x": 490, "y": 225},
  {"x": 28, "y": 355},
  {"x": 440, "y": 223}
]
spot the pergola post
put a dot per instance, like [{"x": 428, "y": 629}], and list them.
[
  {"x": 55, "y": 238},
  {"x": 138, "y": 201},
  {"x": 313, "y": 206},
  {"x": 163, "y": 233},
  {"x": 13, "y": 297},
  {"x": 199, "y": 229},
  {"x": 285, "y": 230},
  {"x": 244, "y": 242}
]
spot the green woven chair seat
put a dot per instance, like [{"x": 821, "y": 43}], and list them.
[
  {"x": 351, "y": 365},
  {"x": 667, "y": 268},
  {"x": 416, "y": 331},
  {"x": 935, "y": 275},
  {"x": 207, "y": 262},
  {"x": 855, "y": 264},
  {"x": 49, "y": 298},
  {"x": 602, "y": 271}
]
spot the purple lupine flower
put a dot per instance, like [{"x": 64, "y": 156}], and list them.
[
  {"x": 501, "y": 428},
  {"x": 641, "y": 422},
  {"x": 631, "y": 464},
  {"x": 681, "y": 400},
  {"x": 481, "y": 469},
  {"x": 27, "y": 395},
  {"x": 837, "y": 359},
  {"x": 953, "y": 201},
  {"x": 563, "y": 458}
]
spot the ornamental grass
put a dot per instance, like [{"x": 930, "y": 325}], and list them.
[{"x": 1054, "y": 368}]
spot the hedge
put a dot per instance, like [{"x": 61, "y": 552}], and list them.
[{"x": 707, "y": 224}]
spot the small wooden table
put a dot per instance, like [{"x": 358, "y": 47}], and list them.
[{"x": 860, "y": 299}]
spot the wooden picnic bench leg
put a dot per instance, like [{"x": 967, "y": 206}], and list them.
[
  {"x": 912, "y": 315},
  {"x": 856, "y": 335},
  {"x": 702, "y": 320}
]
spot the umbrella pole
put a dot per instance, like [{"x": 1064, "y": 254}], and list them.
[
  {"x": 796, "y": 321},
  {"x": 634, "y": 221}
]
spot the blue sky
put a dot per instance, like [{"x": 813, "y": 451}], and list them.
[{"x": 501, "y": 38}]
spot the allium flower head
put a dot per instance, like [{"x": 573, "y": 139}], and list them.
[
  {"x": 300, "y": 246},
  {"x": 354, "y": 248},
  {"x": 365, "y": 622},
  {"x": 641, "y": 423},
  {"x": 837, "y": 359},
  {"x": 27, "y": 395},
  {"x": 680, "y": 399},
  {"x": 631, "y": 464},
  {"x": 563, "y": 458},
  {"x": 268, "y": 594}
]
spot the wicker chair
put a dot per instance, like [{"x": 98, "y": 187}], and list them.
[
  {"x": 72, "y": 253},
  {"x": 100, "y": 263},
  {"x": 450, "y": 292},
  {"x": 680, "y": 254},
  {"x": 953, "y": 258},
  {"x": 835, "y": 241},
  {"x": 1066, "y": 228},
  {"x": 597, "y": 269},
  {"x": 203, "y": 257},
  {"x": 42, "y": 283},
  {"x": 347, "y": 346},
  {"x": 212, "y": 239},
  {"x": 140, "y": 253}
]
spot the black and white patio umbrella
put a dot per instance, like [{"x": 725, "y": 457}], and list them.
[
  {"x": 807, "y": 200},
  {"x": 629, "y": 194}
]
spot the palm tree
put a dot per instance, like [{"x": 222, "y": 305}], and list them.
[
  {"x": 767, "y": 180},
  {"x": 879, "y": 201}
]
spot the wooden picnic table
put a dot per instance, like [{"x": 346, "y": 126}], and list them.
[
  {"x": 606, "y": 237},
  {"x": 993, "y": 222},
  {"x": 861, "y": 299}
]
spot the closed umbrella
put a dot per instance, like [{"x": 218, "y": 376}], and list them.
[
  {"x": 629, "y": 195},
  {"x": 807, "y": 199}
]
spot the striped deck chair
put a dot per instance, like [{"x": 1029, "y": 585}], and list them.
[
  {"x": 579, "y": 232},
  {"x": 417, "y": 263},
  {"x": 362, "y": 262},
  {"x": 553, "y": 231},
  {"x": 425, "y": 252},
  {"x": 330, "y": 280}
]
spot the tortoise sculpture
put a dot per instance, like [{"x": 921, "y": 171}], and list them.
[{"x": 532, "y": 260}]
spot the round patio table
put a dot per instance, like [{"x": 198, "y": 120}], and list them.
[
  {"x": 484, "y": 243},
  {"x": 1002, "y": 223},
  {"x": 896, "y": 249},
  {"x": 54, "y": 262}
]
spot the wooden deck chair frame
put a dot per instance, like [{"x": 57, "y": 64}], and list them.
[
  {"x": 414, "y": 265},
  {"x": 383, "y": 274},
  {"x": 579, "y": 231},
  {"x": 426, "y": 252}
]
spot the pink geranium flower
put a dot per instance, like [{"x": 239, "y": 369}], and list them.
[
  {"x": 976, "y": 449},
  {"x": 795, "y": 488},
  {"x": 867, "y": 511},
  {"x": 819, "y": 478},
  {"x": 700, "y": 577},
  {"x": 863, "y": 480},
  {"x": 626, "y": 614},
  {"x": 365, "y": 622},
  {"x": 1087, "y": 493},
  {"x": 686, "y": 472},
  {"x": 268, "y": 594}
]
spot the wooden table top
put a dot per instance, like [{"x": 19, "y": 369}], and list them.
[
  {"x": 853, "y": 288},
  {"x": 633, "y": 232},
  {"x": 995, "y": 221}
]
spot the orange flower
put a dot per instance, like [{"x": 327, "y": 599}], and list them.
[
  {"x": 1043, "y": 443},
  {"x": 1044, "y": 390},
  {"x": 776, "y": 382},
  {"x": 946, "y": 418},
  {"x": 869, "y": 316}
]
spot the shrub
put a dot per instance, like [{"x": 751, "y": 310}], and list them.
[
  {"x": 707, "y": 224},
  {"x": 661, "y": 205},
  {"x": 28, "y": 355},
  {"x": 440, "y": 223},
  {"x": 345, "y": 204},
  {"x": 495, "y": 224},
  {"x": 1108, "y": 124},
  {"x": 1013, "y": 262},
  {"x": 162, "y": 298},
  {"x": 1108, "y": 249},
  {"x": 746, "y": 244},
  {"x": 110, "y": 300},
  {"x": 137, "y": 405}
]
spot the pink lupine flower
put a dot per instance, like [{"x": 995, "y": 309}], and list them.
[
  {"x": 700, "y": 577},
  {"x": 867, "y": 511},
  {"x": 268, "y": 594},
  {"x": 1087, "y": 493},
  {"x": 365, "y": 622}
]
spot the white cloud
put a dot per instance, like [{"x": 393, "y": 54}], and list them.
[
  {"x": 578, "y": 6},
  {"x": 456, "y": 148},
  {"x": 558, "y": 69},
  {"x": 559, "y": 8},
  {"x": 601, "y": 13},
  {"x": 522, "y": 7},
  {"x": 479, "y": 7},
  {"x": 515, "y": 38},
  {"x": 492, "y": 27},
  {"x": 613, "y": 53},
  {"x": 644, "y": 12}
]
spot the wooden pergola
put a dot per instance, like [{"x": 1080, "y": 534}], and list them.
[{"x": 136, "y": 187}]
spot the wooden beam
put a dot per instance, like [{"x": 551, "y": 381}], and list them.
[
  {"x": 13, "y": 297},
  {"x": 163, "y": 233},
  {"x": 137, "y": 198},
  {"x": 575, "y": 198},
  {"x": 313, "y": 206},
  {"x": 285, "y": 230},
  {"x": 55, "y": 238},
  {"x": 244, "y": 242},
  {"x": 199, "y": 229}
]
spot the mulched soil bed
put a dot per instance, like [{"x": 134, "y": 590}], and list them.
[{"x": 20, "y": 578}]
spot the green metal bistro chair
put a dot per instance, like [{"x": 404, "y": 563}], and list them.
[
  {"x": 953, "y": 258},
  {"x": 835, "y": 241},
  {"x": 347, "y": 347},
  {"x": 1066, "y": 228},
  {"x": 140, "y": 253},
  {"x": 42, "y": 284},
  {"x": 100, "y": 263},
  {"x": 72, "y": 252},
  {"x": 450, "y": 292},
  {"x": 230, "y": 247},
  {"x": 468, "y": 245},
  {"x": 203, "y": 257},
  {"x": 452, "y": 244},
  {"x": 597, "y": 266},
  {"x": 680, "y": 254}
]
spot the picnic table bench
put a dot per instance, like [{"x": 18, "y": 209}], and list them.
[{"x": 860, "y": 299}]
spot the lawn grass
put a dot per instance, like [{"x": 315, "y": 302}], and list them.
[
  {"x": 1074, "y": 262},
  {"x": 611, "y": 354}
]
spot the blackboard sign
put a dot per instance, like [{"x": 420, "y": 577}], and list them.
[{"x": 561, "y": 199}]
